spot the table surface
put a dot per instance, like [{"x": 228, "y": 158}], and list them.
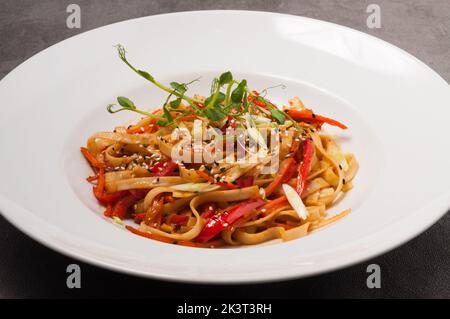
[{"x": 418, "y": 269}]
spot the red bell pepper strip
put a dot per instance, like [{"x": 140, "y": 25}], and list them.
[
  {"x": 121, "y": 207},
  {"x": 245, "y": 181},
  {"x": 178, "y": 219},
  {"x": 139, "y": 193},
  {"x": 99, "y": 190},
  {"x": 295, "y": 145},
  {"x": 285, "y": 169},
  {"x": 290, "y": 173},
  {"x": 232, "y": 122},
  {"x": 108, "y": 210},
  {"x": 305, "y": 165},
  {"x": 255, "y": 101},
  {"x": 309, "y": 116},
  {"x": 168, "y": 198},
  {"x": 209, "y": 209},
  {"x": 139, "y": 217},
  {"x": 227, "y": 218},
  {"x": 164, "y": 168}
]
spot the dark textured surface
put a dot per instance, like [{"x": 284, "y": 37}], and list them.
[{"x": 418, "y": 269}]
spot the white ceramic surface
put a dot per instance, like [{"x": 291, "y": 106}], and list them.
[{"x": 396, "y": 107}]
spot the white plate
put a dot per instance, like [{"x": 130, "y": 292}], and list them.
[{"x": 396, "y": 107}]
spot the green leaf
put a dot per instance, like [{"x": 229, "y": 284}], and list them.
[
  {"x": 146, "y": 75},
  {"x": 175, "y": 103},
  {"x": 278, "y": 115},
  {"x": 162, "y": 122},
  {"x": 225, "y": 78},
  {"x": 178, "y": 87},
  {"x": 220, "y": 98},
  {"x": 238, "y": 93},
  {"x": 214, "y": 114},
  {"x": 126, "y": 102},
  {"x": 245, "y": 102}
]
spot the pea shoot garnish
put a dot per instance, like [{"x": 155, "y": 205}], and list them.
[{"x": 228, "y": 99}]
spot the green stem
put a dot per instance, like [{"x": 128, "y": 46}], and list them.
[
  {"x": 161, "y": 86},
  {"x": 227, "y": 96},
  {"x": 214, "y": 98}
]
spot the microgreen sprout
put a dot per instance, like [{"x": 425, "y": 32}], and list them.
[{"x": 237, "y": 100}]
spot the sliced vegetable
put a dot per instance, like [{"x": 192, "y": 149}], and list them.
[
  {"x": 220, "y": 221},
  {"x": 209, "y": 210},
  {"x": 189, "y": 118},
  {"x": 211, "y": 180},
  {"x": 138, "y": 218},
  {"x": 305, "y": 166},
  {"x": 336, "y": 153},
  {"x": 245, "y": 181},
  {"x": 138, "y": 193},
  {"x": 149, "y": 235},
  {"x": 117, "y": 220},
  {"x": 95, "y": 163},
  {"x": 108, "y": 210},
  {"x": 153, "y": 216},
  {"x": 309, "y": 116},
  {"x": 285, "y": 169},
  {"x": 271, "y": 205},
  {"x": 164, "y": 168},
  {"x": 101, "y": 195},
  {"x": 121, "y": 207},
  {"x": 295, "y": 201},
  {"x": 178, "y": 219},
  {"x": 254, "y": 99},
  {"x": 196, "y": 187}
]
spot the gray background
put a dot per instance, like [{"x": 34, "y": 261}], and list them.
[{"x": 419, "y": 268}]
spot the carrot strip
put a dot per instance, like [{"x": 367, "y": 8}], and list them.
[
  {"x": 149, "y": 235},
  {"x": 99, "y": 190},
  {"x": 212, "y": 181},
  {"x": 212, "y": 244},
  {"x": 91, "y": 158},
  {"x": 188, "y": 118},
  {"x": 92, "y": 178},
  {"x": 309, "y": 116}
]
